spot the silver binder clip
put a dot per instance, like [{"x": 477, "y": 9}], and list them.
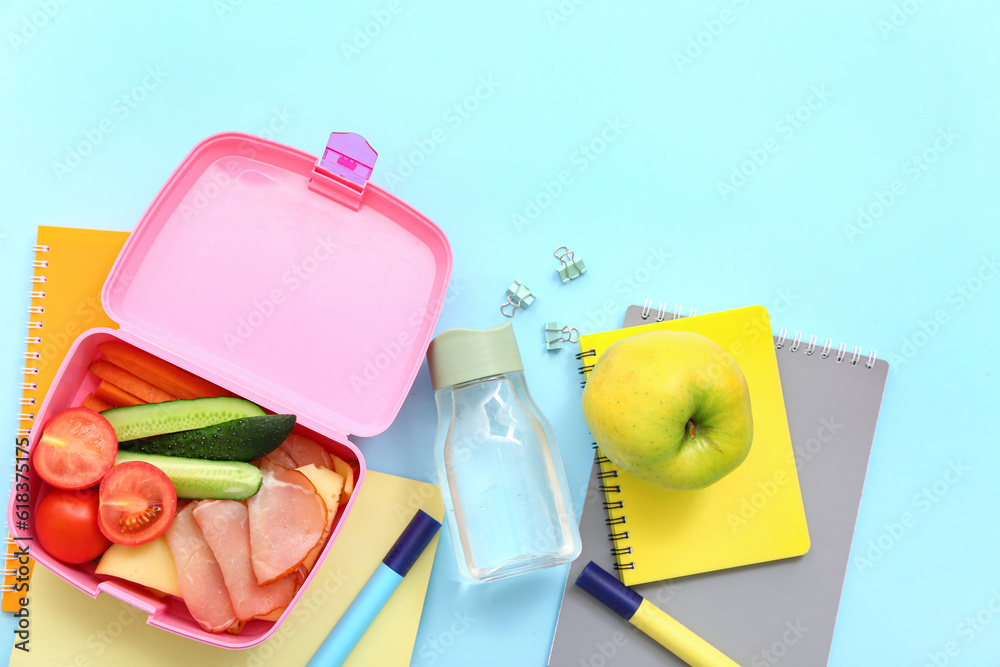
[
  {"x": 571, "y": 267},
  {"x": 518, "y": 295},
  {"x": 556, "y": 335}
]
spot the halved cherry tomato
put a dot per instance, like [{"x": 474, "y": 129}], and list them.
[
  {"x": 66, "y": 525},
  {"x": 137, "y": 503},
  {"x": 76, "y": 448}
]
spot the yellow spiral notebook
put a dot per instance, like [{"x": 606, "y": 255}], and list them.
[{"x": 753, "y": 515}]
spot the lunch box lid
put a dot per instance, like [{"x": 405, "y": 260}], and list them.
[{"x": 291, "y": 277}]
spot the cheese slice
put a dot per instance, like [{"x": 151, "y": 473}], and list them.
[
  {"x": 329, "y": 485},
  {"x": 149, "y": 564}
]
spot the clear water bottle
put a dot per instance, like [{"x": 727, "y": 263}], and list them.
[{"x": 506, "y": 500}]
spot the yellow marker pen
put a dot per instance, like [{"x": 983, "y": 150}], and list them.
[{"x": 649, "y": 618}]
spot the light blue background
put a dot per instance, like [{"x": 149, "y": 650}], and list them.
[{"x": 828, "y": 106}]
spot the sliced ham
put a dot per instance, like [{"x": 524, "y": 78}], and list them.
[
  {"x": 287, "y": 520},
  {"x": 304, "y": 451},
  {"x": 199, "y": 577},
  {"x": 280, "y": 457},
  {"x": 265, "y": 464},
  {"x": 226, "y": 527},
  {"x": 329, "y": 486}
]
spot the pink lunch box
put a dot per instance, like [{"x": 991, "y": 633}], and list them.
[{"x": 287, "y": 280}]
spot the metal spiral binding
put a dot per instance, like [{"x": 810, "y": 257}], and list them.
[
  {"x": 13, "y": 566},
  {"x": 661, "y": 313},
  {"x": 782, "y": 338},
  {"x": 584, "y": 366},
  {"x": 33, "y": 339},
  {"x": 856, "y": 354},
  {"x": 613, "y": 535}
]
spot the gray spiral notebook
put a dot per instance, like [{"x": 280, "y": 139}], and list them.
[{"x": 781, "y": 612}]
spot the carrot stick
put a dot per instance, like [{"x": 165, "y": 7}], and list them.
[
  {"x": 168, "y": 377},
  {"x": 96, "y": 404},
  {"x": 118, "y": 398},
  {"x": 127, "y": 382}
]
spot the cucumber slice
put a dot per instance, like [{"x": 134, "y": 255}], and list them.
[
  {"x": 143, "y": 421},
  {"x": 244, "y": 439},
  {"x": 199, "y": 479}
]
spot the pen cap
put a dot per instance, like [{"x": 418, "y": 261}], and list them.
[
  {"x": 460, "y": 355},
  {"x": 606, "y": 588},
  {"x": 411, "y": 543}
]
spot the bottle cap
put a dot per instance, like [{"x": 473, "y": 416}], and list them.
[{"x": 460, "y": 355}]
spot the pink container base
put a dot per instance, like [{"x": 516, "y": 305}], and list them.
[
  {"x": 70, "y": 386},
  {"x": 289, "y": 281}
]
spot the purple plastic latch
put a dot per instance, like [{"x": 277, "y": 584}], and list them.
[{"x": 349, "y": 156}]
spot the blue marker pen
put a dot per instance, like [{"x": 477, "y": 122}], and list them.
[{"x": 376, "y": 592}]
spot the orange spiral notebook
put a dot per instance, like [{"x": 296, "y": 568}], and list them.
[
  {"x": 753, "y": 515},
  {"x": 69, "y": 270},
  {"x": 68, "y": 627}
]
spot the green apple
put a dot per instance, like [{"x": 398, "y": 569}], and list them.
[{"x": 671, "y": 408}]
